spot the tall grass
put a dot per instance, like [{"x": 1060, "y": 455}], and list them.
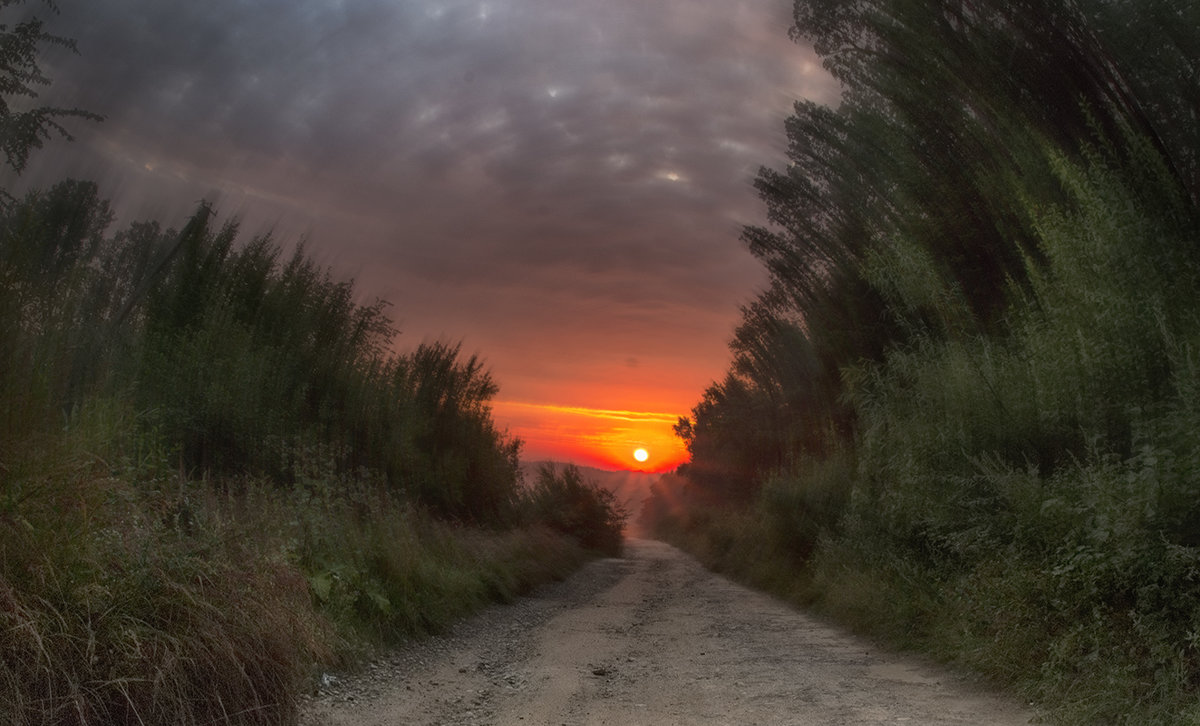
[
  {"x": 139, "y": 596},
  {"x": 117, "y": 609},
  {"x": 216, "y": 478}
]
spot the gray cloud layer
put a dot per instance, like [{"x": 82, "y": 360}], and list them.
[{"x": 556, "y": 179}]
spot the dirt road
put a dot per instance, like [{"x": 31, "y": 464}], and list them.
[{"x": 652, "y": 639}]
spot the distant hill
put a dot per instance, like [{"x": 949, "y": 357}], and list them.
[{"x": 630, "y": 487}]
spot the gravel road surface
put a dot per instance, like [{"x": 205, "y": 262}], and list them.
[{"x": 652, "y": 638}]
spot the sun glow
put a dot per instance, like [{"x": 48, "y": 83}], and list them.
[{"x": 604, "y": 438}]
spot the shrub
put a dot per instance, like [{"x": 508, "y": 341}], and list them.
[{"x": 567, "y": 503}]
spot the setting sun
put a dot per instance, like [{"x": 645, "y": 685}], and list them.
[{"x": 600, "y": 437}]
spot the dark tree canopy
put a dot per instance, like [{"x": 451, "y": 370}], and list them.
[{"x": 908, "y": 214}]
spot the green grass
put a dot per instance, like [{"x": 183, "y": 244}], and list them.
[
  {"x": 131, "y": 598},
  {"x": 131, "y": 593}
]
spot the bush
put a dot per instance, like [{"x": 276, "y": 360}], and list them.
[
  {"x": 802, "y": 506},
  {"x": 567, "y": 503}
]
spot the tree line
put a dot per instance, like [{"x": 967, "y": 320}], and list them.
[
  {"x": 976, "y": 357},
  {"x": 249, "y": 361}
]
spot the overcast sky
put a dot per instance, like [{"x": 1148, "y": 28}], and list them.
[{"x": 558, "y": 184}]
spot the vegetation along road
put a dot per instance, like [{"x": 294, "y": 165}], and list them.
[{"x": 652, "y": 638}]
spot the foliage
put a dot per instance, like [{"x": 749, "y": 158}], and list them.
[
  {"x": 567, "y": 503},
  {"x": 112, "y": 613},
  {"x": 24, "y": 127},
  {"x": 981, "y": 327},
  {"x": 134, "y": 595},
  {"x": 242, "y": 360},
  {"x": 381, "y": 570},
  {"x": 216, "y": 476}
]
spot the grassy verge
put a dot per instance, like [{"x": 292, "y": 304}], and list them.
[
  {"x": 1095, "y": 624},
  {"x": 217, "y": 476},
  {"x": 131, "y": 594}
]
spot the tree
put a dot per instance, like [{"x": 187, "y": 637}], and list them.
[
  {"x": 24, "y": 125},
  {"x": 901, "y": 219}
]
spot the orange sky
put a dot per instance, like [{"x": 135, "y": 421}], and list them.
[
  {"x": 604, "y": 438},
  {"x": 621, "y": 388}
]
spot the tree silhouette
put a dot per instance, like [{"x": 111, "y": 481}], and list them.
[{"x": 24, "y": 125}]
